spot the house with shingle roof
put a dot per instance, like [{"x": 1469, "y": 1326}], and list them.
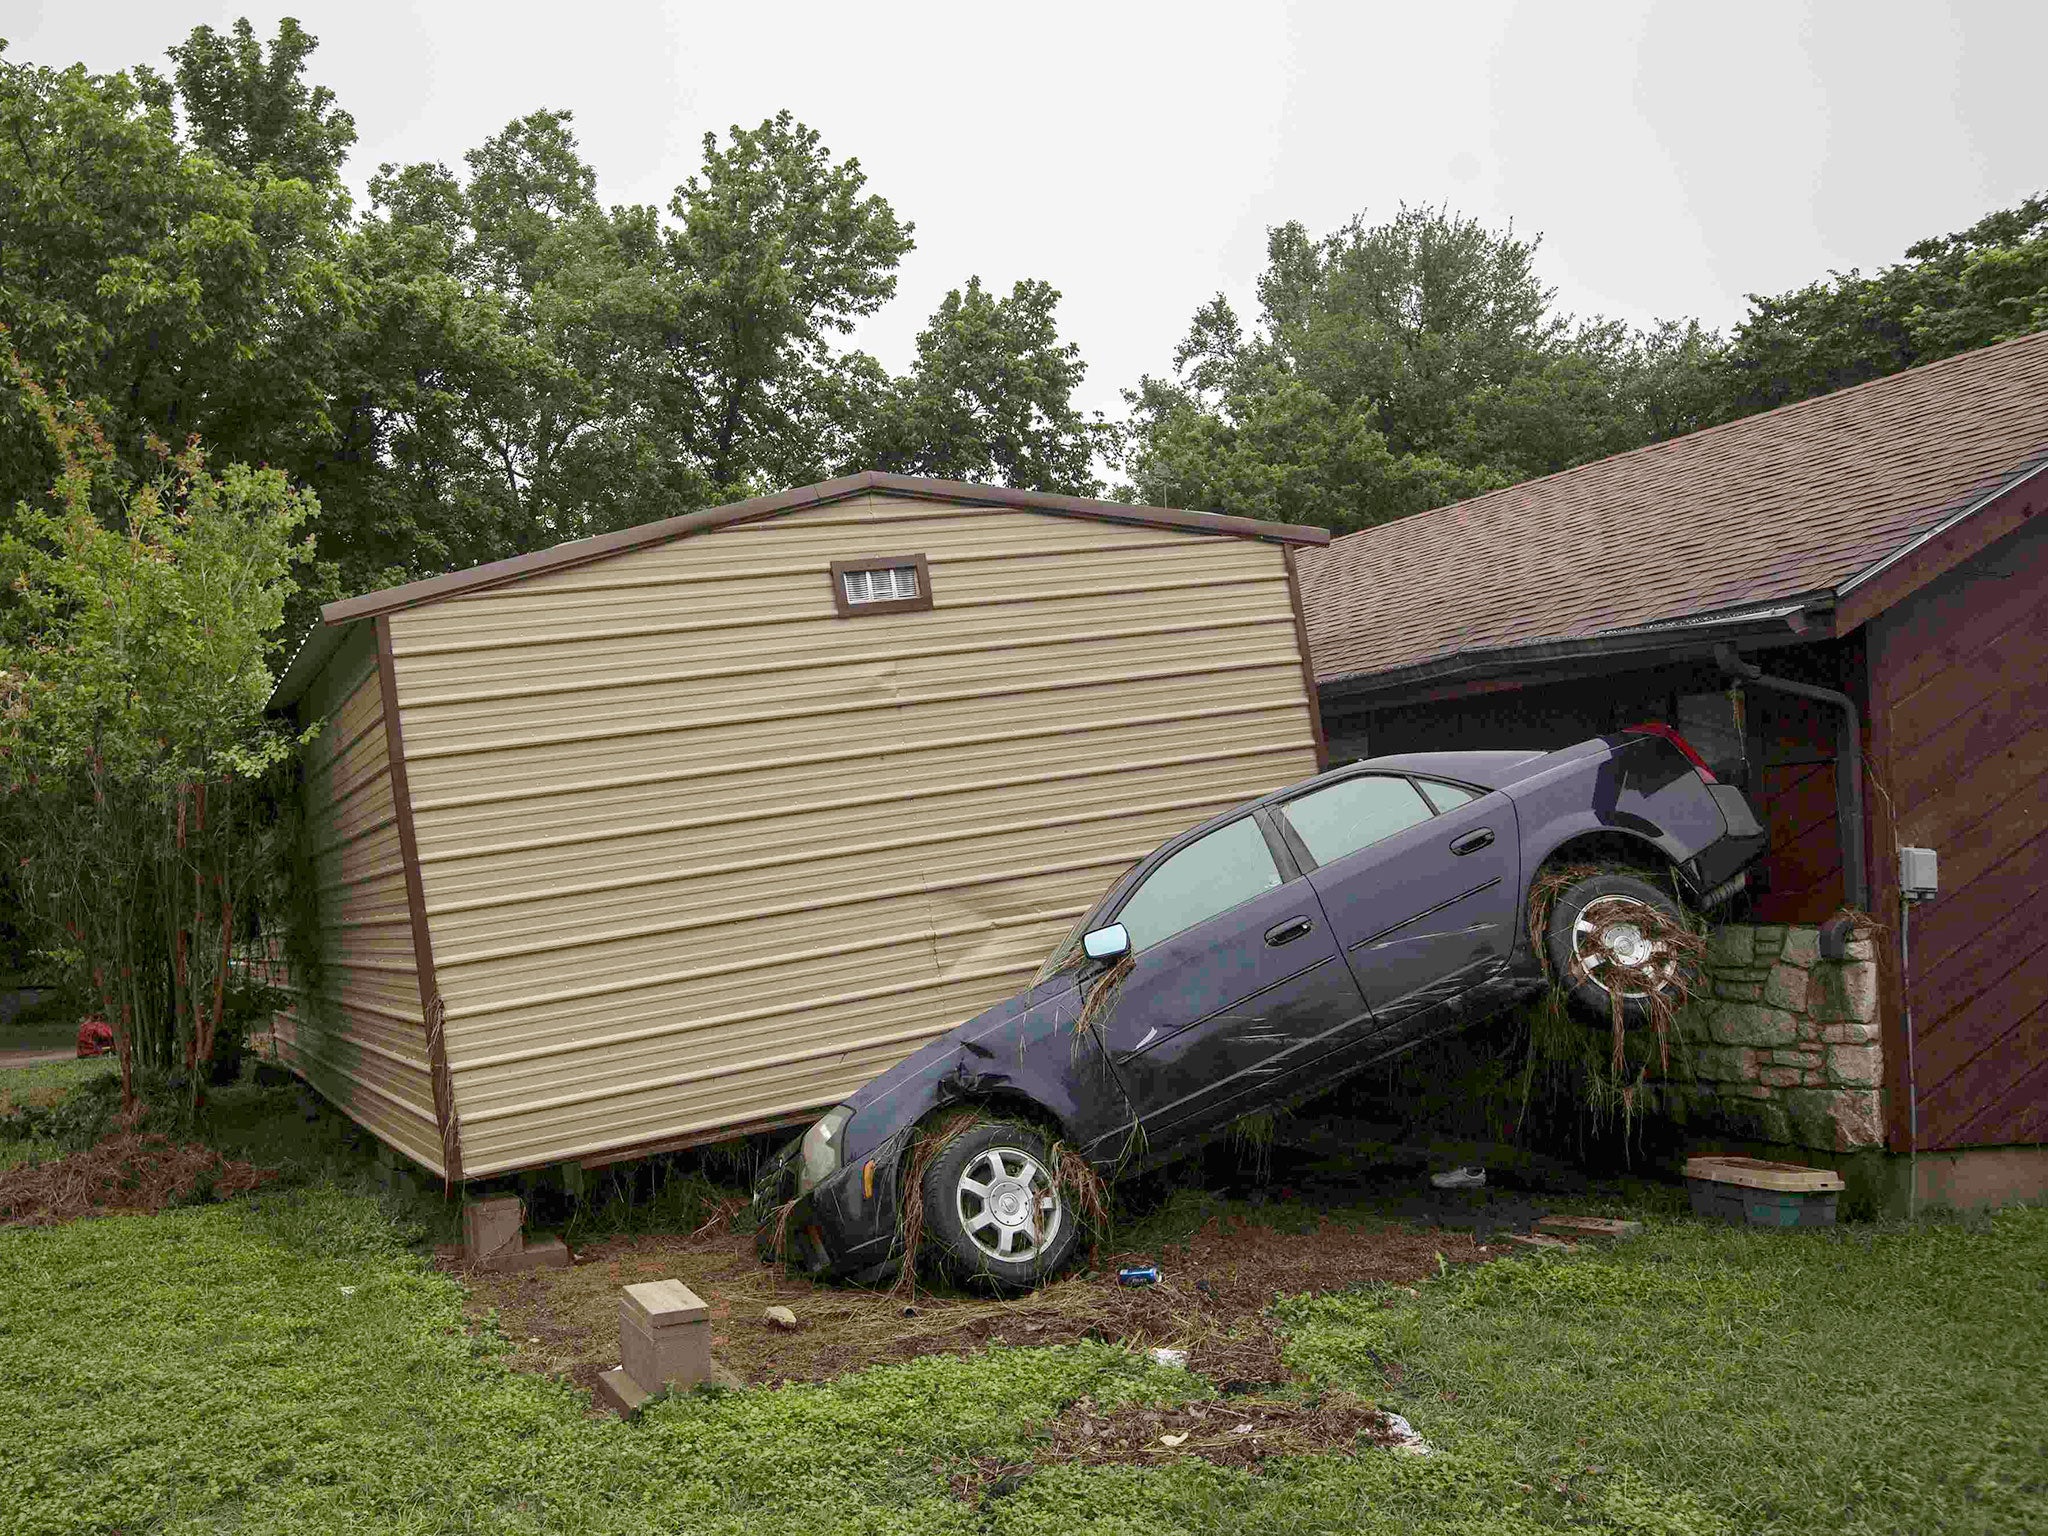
[{"x": 1844, "y": 603}]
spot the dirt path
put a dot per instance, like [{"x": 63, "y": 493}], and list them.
[{"x": 10, "y": 1059}]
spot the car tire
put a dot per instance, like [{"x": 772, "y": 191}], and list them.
[
  {"x": 986, "y": 1217},
  {"x": 1590, "y": 926}
]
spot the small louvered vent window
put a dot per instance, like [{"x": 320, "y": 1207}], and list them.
[
  {"x": 881, "y": 584},
  {"x": 892, "y": 583}
]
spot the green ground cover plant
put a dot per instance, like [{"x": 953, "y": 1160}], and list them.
[
  {"x": 288, "y": 1362},
  {"x": 291, "y": 1361}
]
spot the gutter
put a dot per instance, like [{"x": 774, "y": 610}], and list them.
[
  {"x": 1848, "y": 784},
  {"x": 1788, "y": 619}
]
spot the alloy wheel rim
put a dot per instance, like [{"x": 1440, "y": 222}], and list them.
[
  {"x": 1616, "y": 935},
  {"x": 1007, "y": 1204}
]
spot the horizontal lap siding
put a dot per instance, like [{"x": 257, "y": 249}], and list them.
[
  {"x": 698, "y": 852},
  {"x": 1958, "y": 670},
  {"x": 360, "y": 1039}
]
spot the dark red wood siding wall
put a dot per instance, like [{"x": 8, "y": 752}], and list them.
[{"x": 1959, "y": 737}]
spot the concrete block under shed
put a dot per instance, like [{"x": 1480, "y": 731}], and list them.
[
  {"x": 664, "y": 1334},
  {"x": 664, "y": 1340},
  {"x": 1587, "y": 1226},
  {"x": 493, "y": 1236}
]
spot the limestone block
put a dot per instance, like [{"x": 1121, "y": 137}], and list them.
[
  {"x": 1850, "y": 1033},
  {"x": 1744, "y": 1091},
  {"x": 1812, "y": 1077},
  {"x": 1791, "y": 1058},
  {"x": 1770, "y": 938},
  {"x": 490, "y": 1228},
  {"x": 1786, "y": 989},
  {"x": 1802, "y": 947},
  {"x": 1859, "y": 988},
  {"x": 1859, "y": 1066},
  {"x": 1857, "y": 1120},
  {"x": 1722, "y": 1063},
  {"x": 1738, "y": 991},
  {"x": 546, "y": 1252},
  {"x": 1779, "y": 1077},
  {"x": 1863, "y": 949},
  {"x": 1730, "y": 944},
  {"x": 1839, "y": 1120},
  {"x": 1752, "y": 1024}
]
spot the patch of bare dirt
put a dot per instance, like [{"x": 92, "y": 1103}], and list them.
[
  {"x": 1212, "y": 1301},
  {"x": 1235, "y": 1432},
  {"x": 134, "y": 1173}
]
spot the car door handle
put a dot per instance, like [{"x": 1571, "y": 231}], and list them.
[
  {"x": 1289, "y": 931},
  {"x": 1472, "y": 842}
]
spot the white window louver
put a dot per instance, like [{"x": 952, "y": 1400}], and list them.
[{"x": 888, "y": 584}]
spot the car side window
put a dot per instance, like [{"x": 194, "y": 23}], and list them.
[
  {"x": 1353, "y": 814},
  {"x": 1211, "y": 875},
  {"x": 1444, "y": 796}
]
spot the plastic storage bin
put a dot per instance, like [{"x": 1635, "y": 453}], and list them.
[{"x": 1749, "y": 1191}]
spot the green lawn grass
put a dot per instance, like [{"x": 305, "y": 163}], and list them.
[
  {"x": 288, "y": 1363},
  {"x": 45, "y": 1083}
]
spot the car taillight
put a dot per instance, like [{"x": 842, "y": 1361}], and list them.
[{"x": 1670, "y": 734}]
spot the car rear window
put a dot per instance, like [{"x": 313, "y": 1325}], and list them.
[
  {"x": 1212, "y": 875},
  {"x": 1353, "y": 814}
]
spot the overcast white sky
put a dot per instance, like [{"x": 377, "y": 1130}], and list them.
[{"x": 1674, "y": 156}]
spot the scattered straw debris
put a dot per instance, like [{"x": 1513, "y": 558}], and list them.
[
  {"x": 132, "y": 1173},
  {"x": 1231, "y": 1432},
  {"x": 1212, "y": 1301}
]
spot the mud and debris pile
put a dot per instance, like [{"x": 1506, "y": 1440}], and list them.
[{"x": 134, "y": 1173}]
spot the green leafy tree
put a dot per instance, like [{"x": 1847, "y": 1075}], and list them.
[
  {"x": 774, "y": 249},
  {"x": 1952, "y": 293},
  {"x": 134, "y": 670},
  {"x": 1396, "y": 367},
  {"x": 990, "y": 398},
  {"x": 176, "y": 292}
]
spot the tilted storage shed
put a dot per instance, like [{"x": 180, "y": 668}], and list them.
[{"x": 688, "y": 830}]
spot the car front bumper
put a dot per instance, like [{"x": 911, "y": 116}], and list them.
[{"x": 844, "y": 1225}]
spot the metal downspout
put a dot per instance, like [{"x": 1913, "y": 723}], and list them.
[{"x": 1849, "y": 791}]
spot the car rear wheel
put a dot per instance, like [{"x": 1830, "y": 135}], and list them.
[
  {"x": 1611, "y": 930},
  {"x": 993, "y": 1211}
]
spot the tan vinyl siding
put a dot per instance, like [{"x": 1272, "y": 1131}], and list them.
[
  {"x": 696, "y": 851},
  {"x": 361, "y": 1039}
]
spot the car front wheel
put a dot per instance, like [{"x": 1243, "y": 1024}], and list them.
[{"x": 993, "y": 1210}]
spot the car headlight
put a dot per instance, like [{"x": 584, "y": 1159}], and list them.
[{"x": 821, "y": 1149}]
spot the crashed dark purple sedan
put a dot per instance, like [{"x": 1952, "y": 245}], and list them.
[{"x": 1254, "y": 962}]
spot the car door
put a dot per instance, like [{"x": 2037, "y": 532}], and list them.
[
  {"x": 1420, "y": 882},
  {"x": 1233, "y": 971}
]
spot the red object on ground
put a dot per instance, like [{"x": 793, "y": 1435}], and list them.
[{"x": 95, "y": 1037}]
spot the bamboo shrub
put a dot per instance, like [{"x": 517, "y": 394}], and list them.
[{"x": 140, "y": 771}]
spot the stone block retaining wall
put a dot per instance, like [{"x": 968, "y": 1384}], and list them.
[{"x": 1781, "y": 1045}]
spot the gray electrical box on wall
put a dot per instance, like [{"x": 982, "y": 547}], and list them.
[{"x": 1918, "y": 877}]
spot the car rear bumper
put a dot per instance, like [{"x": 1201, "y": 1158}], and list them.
[{"x": 1728, "y": 856}]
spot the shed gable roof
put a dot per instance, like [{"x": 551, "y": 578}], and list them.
[
  {"x": 951, "y": 492},
  {"x": 1796, "y": 502}
]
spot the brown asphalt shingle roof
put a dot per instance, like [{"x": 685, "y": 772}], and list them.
[{"x": 1796, "y": 500}]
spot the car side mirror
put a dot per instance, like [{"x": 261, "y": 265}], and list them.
[{"x": 1111, "y": 943}]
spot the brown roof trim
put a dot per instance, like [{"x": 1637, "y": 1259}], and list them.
[
  {"x": 431, "y": 1009},
  {"x": 959, "y": 493},
  {"x": 1308, "y": 668},
  {"x": 1972, "y": 529}
]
